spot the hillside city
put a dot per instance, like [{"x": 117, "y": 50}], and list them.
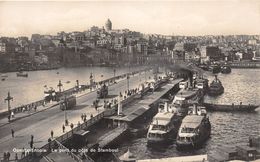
[{"x": 107, "y": 46}]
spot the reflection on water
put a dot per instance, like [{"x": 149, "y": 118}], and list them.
[
  {"x": 242, "y": 85},
  {"x": 26, "y": 90}
]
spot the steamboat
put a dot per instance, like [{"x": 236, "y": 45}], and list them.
[
  {"x": 195, "y": 129},
  {"x": 164, "y": 126},
  {"x": 216, "y": 88},
  {"x": 225, "y": 69},
  {"x": 185, "y": 97}
]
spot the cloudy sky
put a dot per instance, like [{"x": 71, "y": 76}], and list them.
[{"x": 188, "y": 17}]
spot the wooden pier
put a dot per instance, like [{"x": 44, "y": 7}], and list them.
[
  {"x": 133, "y": 111},
  {"x": 112, "y": 135}
]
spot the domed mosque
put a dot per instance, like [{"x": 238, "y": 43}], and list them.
[{"x": 108, "y": 25}]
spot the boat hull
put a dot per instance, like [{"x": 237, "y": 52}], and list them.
[
  {"x": 188, "y": 145},
  {"x": 167, "y": 138},
  {"x": 215, "y": 92},
  {"x": 21, "y": 75},
  {"x": 230, "y": 108},
  {"x": 226, "y": 70}
]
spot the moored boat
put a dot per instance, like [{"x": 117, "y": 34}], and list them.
[
  {"x": 231, "y": 107},
  {"x": 3, "y": 77},
  {"x": 21, "y": 74},
  {"x": 185, "y": 98},
  {"x": 216, "y": 87},
  {"x": 225, "y": 69},
  {"x": 194, "y": 130},
  {"x": 164, "y": 126}
]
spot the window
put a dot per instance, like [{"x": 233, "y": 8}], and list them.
[{"x": 187, "y": 130}]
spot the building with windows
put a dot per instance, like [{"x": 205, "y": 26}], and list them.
[{"x": 2, "y": 47}]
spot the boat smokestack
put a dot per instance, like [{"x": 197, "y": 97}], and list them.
[
  {"x": 165, "y": 107},
  {"x": 190, "y": 79},
  {"x": 195, "y": 109}
]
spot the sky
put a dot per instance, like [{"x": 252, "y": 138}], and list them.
[{"x": 188, "y": 17}]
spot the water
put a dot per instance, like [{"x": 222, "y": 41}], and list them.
[
  {"x": 26, "y": 90},
  {"x": 242, "y": 85}
]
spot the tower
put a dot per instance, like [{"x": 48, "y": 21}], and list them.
[{"x": 108, "y": 25}]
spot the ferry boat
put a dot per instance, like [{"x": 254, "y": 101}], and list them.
[
  {"x": 164, "y": 126},
  {"x": 21, "y": 74},
  {"x": 194, "y": 130},
  {"x": 225, "y": 69},
  {"x": 216, "y": 87},
  {"x": 186, "y": 97}
]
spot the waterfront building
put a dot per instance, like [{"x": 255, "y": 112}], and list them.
[
  {"x": 2, "y": 47},
  {"x": 35, "y": 38},
  {"x": 252, "y": 42},
  {"x": 203, "y": 54},
  {"x": 214, "y": 53},
  {"x": 179, "y": 46}
]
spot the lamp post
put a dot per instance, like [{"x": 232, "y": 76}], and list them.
[
  {"x": 60, "y": 85},
  {"x": 127, "y": 78},
  {"x": 8, "y": 99},
  {"x": 77, "y": 83},
  {"x": 114, "y": 72},
  {"x": 91, "y": 80},
  {"x": 65, "y": 111}
]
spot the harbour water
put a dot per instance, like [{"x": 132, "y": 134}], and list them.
[
  {"x": 25, "y": 90},
  {"x": 242, "y": 85}
]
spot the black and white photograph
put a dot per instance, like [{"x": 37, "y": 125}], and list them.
[{"x": 130, "y": 81}]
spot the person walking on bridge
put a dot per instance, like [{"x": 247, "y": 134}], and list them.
[
  {"x": 63, "y": 128},
  {"x": 8, "y": 156},
  {"x": 12, "y": 131}
]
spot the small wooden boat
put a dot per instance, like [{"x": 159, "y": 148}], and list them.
[
  {"x": 22, "y": 74},
  {"x": 225, "y": 69},
  {"x": 4, "y": 76},
  {"x": 232, "y": 107}
]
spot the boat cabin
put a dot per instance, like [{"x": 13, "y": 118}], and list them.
[
  {"x": 161, "y": 124},
  {"x": 183, "y": 85}
]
